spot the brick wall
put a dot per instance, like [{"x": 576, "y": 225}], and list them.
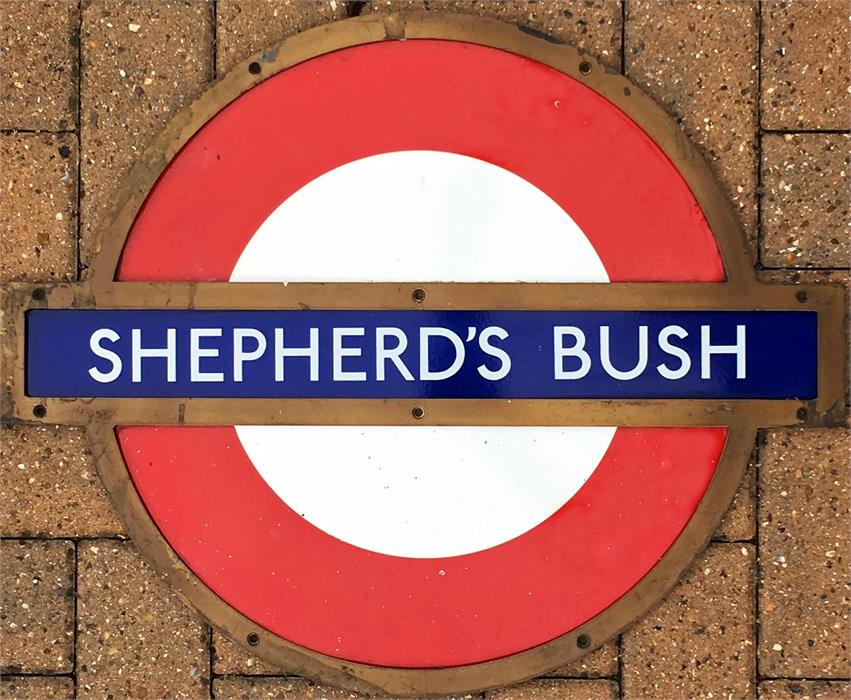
[{"x": 763, "y": 89}]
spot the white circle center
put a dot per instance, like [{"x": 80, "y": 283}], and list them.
[
  {"x": 419, "y": 491},
  {"x": 423, "y": 216}
]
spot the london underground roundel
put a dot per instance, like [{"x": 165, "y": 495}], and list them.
[{"x": 425, "y": 365}]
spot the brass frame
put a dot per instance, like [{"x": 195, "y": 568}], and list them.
[{"x": 740, "y": 291}]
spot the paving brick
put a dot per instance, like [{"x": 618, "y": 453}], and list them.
[
  {"x": 36, "y": 687},
  {"x": 557, "y": 690},
  {"x": 699, "y": 642},
  {"x": 804, "y": 690},
  {"x": 135, "y": 638},
  {"x": 600, "y": 663},
  {"x": 38, "y": 56},
  {"x": 49, "y": 486},
  {"x": 806, "y": 208},
  {"x": 699, "y": 61},
  {"x": 236, "y": 688},
  {"x": 591, "y": 25},
  {"x": 142, "y": 62},
  {"x": 740, "y": 521},
  {"x": 246, "y": 26},
  {"x": 805, "y": 57},
  {"x": 38, "y": 201},
  {"x": 38, "y": 606},
  {"x": 804, "y": 539}
]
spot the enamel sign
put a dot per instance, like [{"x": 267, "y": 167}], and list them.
[{"x": 422, "y": 366}]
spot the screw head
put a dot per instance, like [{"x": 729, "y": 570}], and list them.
[
  {"x": 254, "y": 68},
  {"x": 585, "y": 67},
  {"x": 418, "y": 412},
  {"x": 801, "y": 296},
  {"x": 39, "y": 294},
  {"x": 39, "y": 410},
  {"x": 253, "y": 639},
  {"x": 801, "y": 413},
  {"x": 583, "y": 641},
  {"x": 418, "y": 295}
]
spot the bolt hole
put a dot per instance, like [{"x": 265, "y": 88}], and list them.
[
  {"x": 801, "y": 296},
  {"x": 253, "y": 639},
  {"x": 39, "y": 294},
  {"x": 802, "y": 413},
  {"x": 583, "y": 641},
  {"x": 254, "y": 68},
  {"x": 39, "y": 410},
  {"x": 585, "y": 67},
  {"x": 418, "y": 295},
  {"x": 418, "y": 412}
]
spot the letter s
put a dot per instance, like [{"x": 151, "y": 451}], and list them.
[
  {"x": 499, "y": 353},
  {"x": 97, "y": 349}
]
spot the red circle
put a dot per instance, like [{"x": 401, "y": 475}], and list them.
[
  {"x": 212, "y": 506},
  {"x": 587, "y": 155}
]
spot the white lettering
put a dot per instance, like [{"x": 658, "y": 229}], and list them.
[
  {"x": 576, "y": 350},
  {"x": 240, "y": 356},
  {"x": 707, "y": 350},
  {"x": 666, "y": 346},
  {"x": 169, "y": 352},
  {"x": 426, "y": 373},
  {"x": 605, "y": 356},
  {"x": 196, "y": 352},
  {"x": 311, "y": 351},
  {"x": 96, "y": 347},
  {"x": 499, "y": 353},
  {"x": 339, "y": 352},
  {"x": 383, "y": 353}
]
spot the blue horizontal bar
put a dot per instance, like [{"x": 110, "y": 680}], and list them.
[{"x": 447, "y": 354}]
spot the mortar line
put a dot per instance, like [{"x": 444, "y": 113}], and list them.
[
  {"x": 806, "y": 269},
  {"x": 718, "y": 540},
  {"x": 79, "y": 187},
  {"x": 623, "y": 37},
  {"x": 211, "y": 691},
  {"x": 758, "y": 236},
  {"x": 793, "y": 132},
  {"x": 36, "y": 674},
  {"x": 74, "y": 666},
  {"x": 12, "y": 131},
  {"x": 816, "y": 679},
  {"x": 62, "y": 538},
  {"x": 214, "y": 29}
]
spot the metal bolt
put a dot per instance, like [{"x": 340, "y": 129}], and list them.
[
  {"x": 418, "y": 295},
  {"x": 585, "y": 67},
  {"x": 39, "y": 410},
  {"x": 801, "y": 296},
  {"x": 801, "y": 413},
  {"x": 418, "y": 412},
  {"x": 253, "y": 639},
  {"x": 254, "y": 68},
  {"x": 583, "y": 641}
]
